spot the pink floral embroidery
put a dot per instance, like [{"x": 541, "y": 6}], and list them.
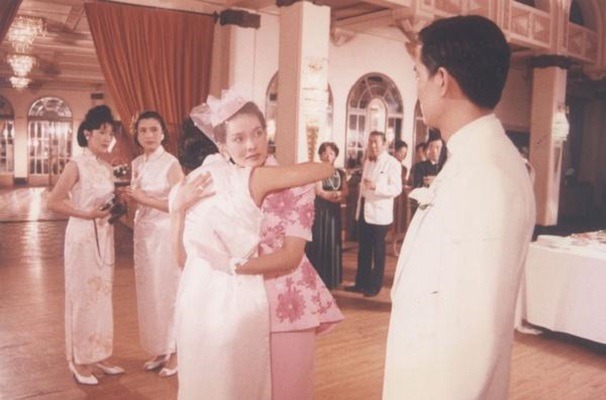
[
  {"x": 308, "y": 274},
  {"x": 306, "y": 215},
  {"x": 280, "y": 204},
  {"x": 321, "y": 308},
  {"x": 291, "y": 304}
]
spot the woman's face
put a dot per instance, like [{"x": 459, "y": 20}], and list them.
[
  {"x": 149, "y": 134},
  {"x": 246, "y": 140},
  {"x": 328, "y": 155},
  {"x": 100, "y": 139}
]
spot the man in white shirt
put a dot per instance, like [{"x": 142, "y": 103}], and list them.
[
  {"x": 454, "y": 293},
  {"x": 381, "y": 183}
]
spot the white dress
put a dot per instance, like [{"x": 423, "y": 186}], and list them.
[
  {"x": 222, "y": 319},
  {"x": 156, "y": 271},
  {"x": 451, "y": 328},
  {"x": 89, "y": 266}
]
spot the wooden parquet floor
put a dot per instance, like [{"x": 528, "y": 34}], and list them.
[{"x": 349, "y": 361}]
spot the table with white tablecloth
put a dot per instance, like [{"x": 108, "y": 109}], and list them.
[{"x": 564, "y": 288}]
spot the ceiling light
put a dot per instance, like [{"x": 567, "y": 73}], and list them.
[
  {"x": 19, "y": 82},
  {"x": 24, "y": 30},
  {"x": 22, "y": 64}
]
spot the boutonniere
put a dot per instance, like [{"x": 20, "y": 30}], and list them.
[{"x": 424, "y": 196}]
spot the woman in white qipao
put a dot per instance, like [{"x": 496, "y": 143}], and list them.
[{"x": 222, "y": 319}]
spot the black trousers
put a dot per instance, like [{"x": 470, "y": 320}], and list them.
[{"x": 371, "y": 255}]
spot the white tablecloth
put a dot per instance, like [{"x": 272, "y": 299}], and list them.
[{"x": 564, "y": 290}]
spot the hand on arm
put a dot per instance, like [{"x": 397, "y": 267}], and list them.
[{"x": 282, "y": 261}]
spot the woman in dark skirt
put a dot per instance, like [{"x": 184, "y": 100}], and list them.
[{"x": 324, "y": 251}]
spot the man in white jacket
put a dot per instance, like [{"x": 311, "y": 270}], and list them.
[
  {"x": 455, "y": 287},
  {"x": 381, "y": 183}
]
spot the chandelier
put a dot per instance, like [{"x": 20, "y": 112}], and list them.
[
  {"x": 21, "y": 64},
  {"x": 24, "y": 30},
  {"x": 19, "y": 82}
]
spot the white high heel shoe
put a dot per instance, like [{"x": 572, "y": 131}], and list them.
[
  {"x": 166, "y": 372},
  {"x": 110, "y": 369},
  {"x": 155, "y": 363},
  {"x": 82, "y": 379}
]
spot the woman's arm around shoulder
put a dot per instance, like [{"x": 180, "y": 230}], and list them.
[{"x": 265, "y": 180}]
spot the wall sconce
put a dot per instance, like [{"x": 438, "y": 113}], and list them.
[
  {"x": 315, "y": 99},
  {"x": 560, "y": 127}
]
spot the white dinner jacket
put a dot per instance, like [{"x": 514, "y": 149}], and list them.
[{"x": 378, "y": 203}]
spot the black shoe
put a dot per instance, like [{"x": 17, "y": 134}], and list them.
[
  {"x": 354, "y": 288},
  {"x": 371, "y": 293}
]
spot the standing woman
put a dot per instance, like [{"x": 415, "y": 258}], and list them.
[
  {"x": 324, "y": 251},
  {"x": 156, "y": 271},
  {"x": 82, "y": 191}
]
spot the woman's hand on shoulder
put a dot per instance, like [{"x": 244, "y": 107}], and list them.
[{"x": 191, "y": 191}]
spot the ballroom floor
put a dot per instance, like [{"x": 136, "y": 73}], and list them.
[{"x": 349, "y": 361}]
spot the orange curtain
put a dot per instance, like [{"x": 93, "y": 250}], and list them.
[
  {"x": 8, "y": 12},
  {"x": 153, "y": 59}
]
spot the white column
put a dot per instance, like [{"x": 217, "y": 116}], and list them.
[
  {"x": 548, "y": 99},
  {"x": 303, "y": 75}
]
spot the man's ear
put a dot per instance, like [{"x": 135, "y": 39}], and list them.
[{"x": 449, "y": 85}]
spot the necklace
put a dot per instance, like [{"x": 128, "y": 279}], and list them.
[{"x": 334, "y": 181}]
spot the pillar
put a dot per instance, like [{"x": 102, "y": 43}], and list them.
[
  {"x": 548, "y": 130},
  {"x": 303, "y": 74}
]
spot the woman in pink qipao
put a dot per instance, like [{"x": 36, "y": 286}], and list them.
[
  {"x": 299, "y": 303},
  {"x": 222, "y": 318}
]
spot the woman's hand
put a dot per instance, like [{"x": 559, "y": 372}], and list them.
[
  {"x": 99, "y": 213},
  {"x": 133, "y": 193},
  {"x": 192, "y": 191}
]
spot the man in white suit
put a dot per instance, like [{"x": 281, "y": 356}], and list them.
[
  {"x": 455, "y": 287},
  {"x": 381, "y": 183}
]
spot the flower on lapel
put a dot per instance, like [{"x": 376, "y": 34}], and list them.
[{"x": 424, "y": 196}]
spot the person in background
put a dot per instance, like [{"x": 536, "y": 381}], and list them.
[
  {"x": 457, "y": 278},
  {"x": 84, "y": 192},
  {"x": 420, "y": 152},
  {"x": 324, "y": 251},
  {"x": 156, "y": 271},
  {"x": 425, "y": 172},
  {"x": 381, "y": 183},
  {"x": 400, "y": 209}
]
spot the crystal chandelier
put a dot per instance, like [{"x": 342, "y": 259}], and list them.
[
  {"x": 19, "y": 82},
  {"x": 23, "y": 31},
  {"x": 22, "y": 64}
]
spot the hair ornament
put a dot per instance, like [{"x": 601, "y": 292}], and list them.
[{"x": 215, "y": 111}]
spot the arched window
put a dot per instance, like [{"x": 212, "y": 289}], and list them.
[
  {"x": 271, "y": 113},
  {"x": 49, "y": 138},
  {"x": 374, "y": 104},
  {"x": 7, "y": 136},
  {"x": 421, "y": 131}
]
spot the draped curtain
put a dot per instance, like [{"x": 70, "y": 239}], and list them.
[
  {"x": 8, "y": 12},
  {"x": 153, "y": 59}
]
